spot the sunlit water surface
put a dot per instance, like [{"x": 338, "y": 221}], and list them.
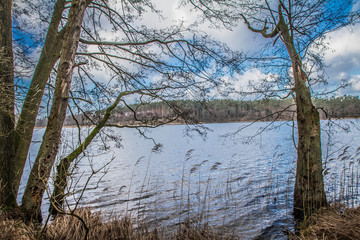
[{"x": 240, "y": 183}]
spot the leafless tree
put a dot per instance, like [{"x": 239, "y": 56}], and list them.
[
  {"x": 295, "y": 29},
  {"x": 150, "y": 64}
]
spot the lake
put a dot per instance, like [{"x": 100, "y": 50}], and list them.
[{"x": 243, "y": 182}]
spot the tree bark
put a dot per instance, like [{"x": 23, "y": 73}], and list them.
[
  {"x": 309, "y": 193},
  {"x": 7, "y": 106},
  {"x": 49, "y": 55},
  {"x": 40, "y": 172},
  {"x": 60, "y": 184}
]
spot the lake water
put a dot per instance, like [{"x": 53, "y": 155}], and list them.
[{"x": 242, "y": 183}]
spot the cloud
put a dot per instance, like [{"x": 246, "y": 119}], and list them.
[
  {"x": 239, "y": 38},
  {"x": 343, "y": 56},
  {"x": 244, "y": 86},
  {"x": 355, "y": 80},
  {"x": 344, "y": 52}
]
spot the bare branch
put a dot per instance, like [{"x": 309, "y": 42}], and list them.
[{"x": 263, "y": 31}]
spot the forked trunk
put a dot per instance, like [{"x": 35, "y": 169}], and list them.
[
  {"x": 40, "y": 172},
  {"x": 25, "y": 126}
]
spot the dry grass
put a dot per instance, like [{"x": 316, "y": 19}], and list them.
[
  {"x": 69, "y": 227},
  {"x": 334, "y": 223},
  {"x": 204, "y": 232},
  {"x": 11, "y": 229}
]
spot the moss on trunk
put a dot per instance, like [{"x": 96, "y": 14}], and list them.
[
  {"x": 58, "y": 195},
  {"x": 40, "y": 172},
  {"x": 25, "y": 126},
  {"x": 309, "y": 193}
]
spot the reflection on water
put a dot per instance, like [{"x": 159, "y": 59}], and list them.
[{"x": 243, "y": 184}]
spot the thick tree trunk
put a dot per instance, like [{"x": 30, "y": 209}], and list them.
[
  {"x": 7, "y": 105},
  {"x": 40, "y": 173},
  {"x": 309, "y": 193},
  {"x": 25, "y": 126}
]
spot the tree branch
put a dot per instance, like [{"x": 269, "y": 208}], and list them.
[{"x": 263, "y": 31}]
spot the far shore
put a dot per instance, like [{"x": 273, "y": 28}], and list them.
[{"x": 180, "y": 123}]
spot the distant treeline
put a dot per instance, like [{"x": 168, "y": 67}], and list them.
[{"x": 223, "y": 111}]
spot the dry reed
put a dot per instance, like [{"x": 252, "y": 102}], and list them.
[
  {"x": 14, "y": 229},
  {"x": 69, "y": 227},
  {"x": 332, "y": 224}
]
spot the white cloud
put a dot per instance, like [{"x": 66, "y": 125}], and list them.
[
  {"x": 240, "y": 86},
  {"x": 240, "y": 38},
  {"x": 343, "y": 57},
  {"x": 344, "y": 52},
  {"x": 356, "y": 6},
  {"x": 355, "y": 82}
]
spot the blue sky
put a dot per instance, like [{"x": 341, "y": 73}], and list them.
[{"x": 343, "y": 55}]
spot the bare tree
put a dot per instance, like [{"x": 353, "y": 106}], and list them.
[
  {"x": 49, "y": 56},
  {"x": 44, "y": 162},
  {"x": 296, "y": 28},
  {"x": 151, "y": 64}
]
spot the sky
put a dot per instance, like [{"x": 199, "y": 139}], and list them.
[{"x": 342, "y": 57}]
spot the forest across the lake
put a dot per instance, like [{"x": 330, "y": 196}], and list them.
[{"x": 220, "y": 111}]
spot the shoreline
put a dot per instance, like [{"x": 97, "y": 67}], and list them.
[{"x": 179, "y": 123}]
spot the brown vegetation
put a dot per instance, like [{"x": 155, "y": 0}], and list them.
[
  {"x": 334, "y": 223},
  {"x": 70, "y": 227},
  {"x": 11, "y": 229}
]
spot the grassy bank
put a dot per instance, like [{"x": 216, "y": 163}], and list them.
[
  {"x": 333, "y": 223},
  {"x": 93, "y": 226}
]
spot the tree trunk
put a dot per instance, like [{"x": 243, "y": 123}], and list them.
[
  {"x": 58, "y": 195},
  {"x": 40, "y": 173},
  {"x": 309, "y": 194},
  {"x": 7, "y": 106},
  {"x": 49, "y": 55}
]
